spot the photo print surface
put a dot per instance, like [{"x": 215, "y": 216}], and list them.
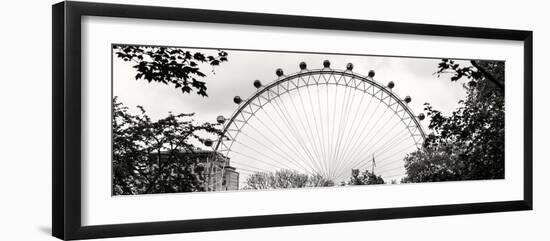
[{"x": 188, "y": 119}]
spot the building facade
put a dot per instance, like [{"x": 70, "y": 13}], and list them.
[
  {"x": 218, "y": 172},
  {"x": 220, "y": 175}
]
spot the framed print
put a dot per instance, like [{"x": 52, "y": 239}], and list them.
[{"x": 230, "y": 120}]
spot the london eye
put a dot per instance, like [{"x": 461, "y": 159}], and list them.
[{"x": 323, "y": 122}]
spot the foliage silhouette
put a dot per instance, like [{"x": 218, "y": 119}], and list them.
[
  {"x": 168, "y": 65},
  {"x": 468, "y": 144},
  {"x": 285, "y": 179},
  {"x": 154, "y": 156},
  {"x": 365, "y": 178}
]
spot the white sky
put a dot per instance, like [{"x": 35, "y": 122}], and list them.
[{"x": 412, "y": 76}]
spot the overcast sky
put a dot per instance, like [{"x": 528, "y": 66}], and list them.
[{"x": 412, "y": 76}]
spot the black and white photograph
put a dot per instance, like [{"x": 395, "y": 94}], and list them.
[
  {"x": 191, "y": 119},
  {"x": 274, "y": 120}
]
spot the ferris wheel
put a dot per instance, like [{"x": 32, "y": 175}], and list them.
[{"x": 321, "y": 122}]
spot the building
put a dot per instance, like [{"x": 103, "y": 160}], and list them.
[{"x": 219, "y": 174}]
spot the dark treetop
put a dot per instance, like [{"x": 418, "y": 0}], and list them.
[{"x": 173, "y": 66}]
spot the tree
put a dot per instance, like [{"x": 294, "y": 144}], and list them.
[
  {"x": 168, "y": 65},
  {"x": 285, "y": 179},
  {"x": 490, "y": 71},
  {"x": 150, "y": 156},
  {"x": 365, "y": 178},
  {"x": 468, "y": 144},
  {"x": 319, "y": 181}
]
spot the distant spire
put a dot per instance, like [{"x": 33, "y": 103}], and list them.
[{"x": 373, "y": 164}]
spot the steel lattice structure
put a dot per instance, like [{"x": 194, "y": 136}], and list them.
[{"x": 325, "y": 78}]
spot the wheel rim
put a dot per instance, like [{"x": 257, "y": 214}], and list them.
[{"x": 321, "y": 122}]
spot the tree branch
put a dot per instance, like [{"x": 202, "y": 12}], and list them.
[{"x": 487, "y": 75}]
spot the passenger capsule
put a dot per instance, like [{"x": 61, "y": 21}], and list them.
[
  {"x": 349, "y": 66},
  {"x": 237, "y": 100},
  {"x": 391, "y": 85},
  {"x": 421, "y": 116},
  {"x": 326, "y": 64},
  {"x": 208, "y": 142},
  {"x": 371, "y": 73},
  {"x": 257, "y": 84},
  {"x": 220, "y": 119},
  {"x": 279, "y": 72},
  {"x": 407, "y": 99},
  {"x": 303, "y": 65}
]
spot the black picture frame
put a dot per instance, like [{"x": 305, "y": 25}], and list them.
[{"x": 66, "y": 128}]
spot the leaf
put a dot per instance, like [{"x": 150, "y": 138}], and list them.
[
  {"x": 186, "y": 89},
  {"x": 199, "y": 57},
  {"x": 168, "y": 65}
]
